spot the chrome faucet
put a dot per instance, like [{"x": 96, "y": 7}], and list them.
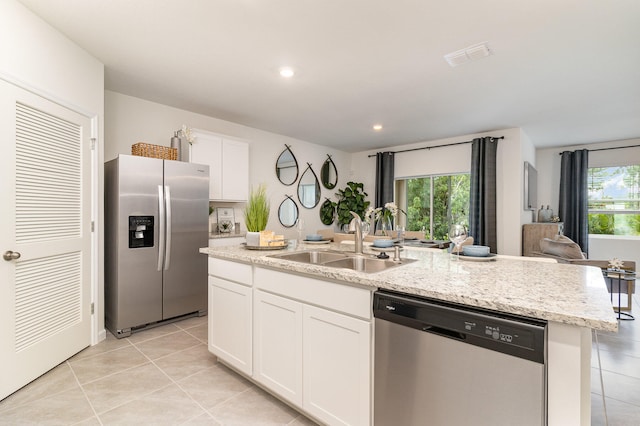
[{"x": 358, "y": 237}]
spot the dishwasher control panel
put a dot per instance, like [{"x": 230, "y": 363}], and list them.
[{"x": 493, "y": 330}]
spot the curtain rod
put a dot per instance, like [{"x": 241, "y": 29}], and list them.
[
  {"x": 435, "y": 146},
  {"x": 607, "y": 149}
]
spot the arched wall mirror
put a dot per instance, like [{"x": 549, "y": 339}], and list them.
[
  {"x": 288, "y": 212},
  {"x": 329, "y": 173},
  {"x": 309, "y": 188},
  {"x": 328, "y": 212},
  {"x": 287, "y": 167}
]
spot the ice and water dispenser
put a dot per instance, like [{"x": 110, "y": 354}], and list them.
[{"x": 140, "y": 231}]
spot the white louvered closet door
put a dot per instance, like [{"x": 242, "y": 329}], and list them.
[{"x": 45, "y": 182}]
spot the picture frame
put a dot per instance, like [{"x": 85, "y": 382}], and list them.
[{"x": 226, "y": 219}]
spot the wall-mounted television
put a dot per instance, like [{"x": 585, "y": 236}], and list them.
[{"x": 530, "y": 186}]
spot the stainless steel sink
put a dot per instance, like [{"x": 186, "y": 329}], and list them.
[
  {"x": 313, "y": 257},
  {"x": 360, "y": 263},
  {"x": 366, "y": 264}
]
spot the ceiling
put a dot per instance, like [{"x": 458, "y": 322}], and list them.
[{"x": 566, "y": 72}]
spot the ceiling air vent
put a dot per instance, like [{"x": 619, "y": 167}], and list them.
[{"x": 471, "y": 53}]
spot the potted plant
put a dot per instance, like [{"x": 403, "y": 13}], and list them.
[
  {"x": 256, "y": 214},
  {"x": 351, "y": 199}
]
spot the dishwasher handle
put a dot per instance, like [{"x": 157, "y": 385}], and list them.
[{"x": 444, "y": 332}]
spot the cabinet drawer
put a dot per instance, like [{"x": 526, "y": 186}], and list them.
[
  {"x": 232, "y": 271},
  {"x": 343, "y": 298}
]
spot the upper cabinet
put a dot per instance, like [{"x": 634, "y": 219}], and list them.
[{"x": 228, "y": 161}]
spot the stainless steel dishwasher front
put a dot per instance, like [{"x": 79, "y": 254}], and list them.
[{"x": 445, "y": 364}]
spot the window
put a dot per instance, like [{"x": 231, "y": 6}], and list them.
[
  {"x": 432, "y": 203},
  {"x": 614, "y": 200}
]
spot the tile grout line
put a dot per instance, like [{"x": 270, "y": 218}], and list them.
[
  {"x": 86, "y": 397},
  {"x": 174, "y": 381}
]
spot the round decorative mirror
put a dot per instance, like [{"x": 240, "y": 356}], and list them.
[
  {"x": 288, "y": 212},
  {"x": 309, "y": 188},
  {"x": 329, "y": 173},
  {"x": 287, "y": 167},
  {"x": 327, "y": 212}
]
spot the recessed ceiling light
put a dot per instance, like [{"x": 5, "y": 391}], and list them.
[
  {"x": 377, "y": 127},
  {"x": 287, "y": 72}
]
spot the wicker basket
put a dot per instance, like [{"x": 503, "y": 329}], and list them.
[{"x": 154, "y": 151}]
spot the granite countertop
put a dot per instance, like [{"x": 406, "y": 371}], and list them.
[{"x": 570, "y": 294}]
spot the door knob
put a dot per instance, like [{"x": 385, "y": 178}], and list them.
[{"x": 11, "y": 255}]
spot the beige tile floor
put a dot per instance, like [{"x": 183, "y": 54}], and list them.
[
  {"x": 161, "y": 376},
  {"x": 167, "y": 376}
]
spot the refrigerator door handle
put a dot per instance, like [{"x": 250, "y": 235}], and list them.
[
  {"x": 161, "y": 241},
  {"x": 167, "y": 257}
]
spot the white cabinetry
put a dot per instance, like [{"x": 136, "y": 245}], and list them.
[
  {"x": 230, "y": 313},
  {"x": 313, "y": 338},
  {"x": 278, "y": 345},
  {"x": 336, "y": 373},
  {"x": 228, "y": 161}
]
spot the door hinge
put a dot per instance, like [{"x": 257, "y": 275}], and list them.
[
  {"x": 93, "y": 144},
  {"x": 92, "y": 308},
  {"x": 93, "y": 226}
]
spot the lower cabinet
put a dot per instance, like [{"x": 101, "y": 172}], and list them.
[
  {"x": 316, "y": 358},
  {"x": 278, "y": 345},
  {"x": 230, "y": 322},
  {"x": 336, "y": 374},
  {"x": 306, "y": 340}
]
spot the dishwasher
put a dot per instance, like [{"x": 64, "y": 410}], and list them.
[{"x": 439, "y": 363}]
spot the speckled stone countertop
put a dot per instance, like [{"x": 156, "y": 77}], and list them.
[{"x": 569, "y": 294}]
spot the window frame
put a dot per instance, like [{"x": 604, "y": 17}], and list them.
[
  {"x": 402, "y": 200},
  {"x": 611, "y": 212}
]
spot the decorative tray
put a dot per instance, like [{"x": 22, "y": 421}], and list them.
[{"x": 264, "y": 247}]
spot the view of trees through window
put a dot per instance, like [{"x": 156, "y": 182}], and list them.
[
  {"x": 614, "y": 200},
  {"x": 433, "y": 203}
]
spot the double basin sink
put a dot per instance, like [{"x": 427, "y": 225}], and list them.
[{"x": 333, "y": 259}]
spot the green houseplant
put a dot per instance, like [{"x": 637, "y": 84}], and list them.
[
  {"x": 256, "y": 214},
  {"x": 351, "y": 198}
]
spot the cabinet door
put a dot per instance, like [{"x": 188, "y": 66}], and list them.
[
  {"x": 337, "y": 367},
  {"x": 278, "y": 345},
  {"x": 207, "y": 149},
  {"x": 235, "y": 170},
  {"x": 230, "y": 327}
]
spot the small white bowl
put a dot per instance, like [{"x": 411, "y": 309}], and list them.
[
  {"x": 475, "y": 251},
  {"x": 314, "y": 237},
  {"x": 382, "y": 243}
]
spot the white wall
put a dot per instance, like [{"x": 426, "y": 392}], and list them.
[
  {"x": 548, "y": 165},
  {"x": 130, "y": 120},
  {"x": 512, "y": 152},
  {"x": 528, "y": 154},
  {"x": 38, "y": 58}
]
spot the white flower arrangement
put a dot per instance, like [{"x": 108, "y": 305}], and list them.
[
  {"x": 372, "y": 214},
  {"x": 616, "y": 264},
  {"x": 389, "y": 211},
  {"x": 185, "y": 132}
]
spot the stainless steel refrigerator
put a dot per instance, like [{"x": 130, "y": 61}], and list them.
[{"x": 156, "y": 219}]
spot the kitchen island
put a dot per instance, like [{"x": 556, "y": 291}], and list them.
[{"x": 573, "y": 299}]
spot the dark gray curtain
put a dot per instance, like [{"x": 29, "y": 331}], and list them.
[
  {"x": 573, "y": 205},
  {"x": 384, "y": 178},
  {"x": 482, "y": 202}
]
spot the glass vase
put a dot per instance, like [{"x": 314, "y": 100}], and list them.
[{"x": 384, "y": 227}]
